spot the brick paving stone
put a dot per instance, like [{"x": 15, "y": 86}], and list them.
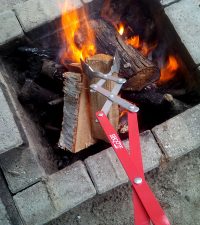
[
  {"x": 35, "y": 205},
  {"x": 106, "y": 171},
  {"x": 185, "y": 17},
  {"x": 180, "y": 134},
  {"x": 9, "y": 4},
  {"x": 4, "y": 219},
  {"x": 20, "y": 169},
  {"x": 35, "y": 13},
  {"x": 10, "y": 28},
  {"x": 167, "y": 2},
  {"x": 7, "y": 199},
  {"x": 9, "y": 133},
  {"x": 70, "y": 187}
]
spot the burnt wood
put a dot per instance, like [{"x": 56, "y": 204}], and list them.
[
  {"x": 139, "y": 70},
  {"x": 33, "y": 93},
  {"x": 53, "y": 70}
]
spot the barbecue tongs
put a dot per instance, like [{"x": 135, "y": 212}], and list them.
[{"x": 146, "y": 206}]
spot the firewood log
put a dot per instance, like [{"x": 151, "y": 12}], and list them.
[
  {"x": 35, "y": 94},
  {"x": 137, "y": 68},
  {"x": 76, "y": 127}
]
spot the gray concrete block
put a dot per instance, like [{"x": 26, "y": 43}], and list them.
[
  {"x": 9, "y": 4},
  {"x": 167, "y": 2},
  {"x": 185, "y": 17},
  {"x": 20, "y": 169},
  {"x": 9, "y": 133},
  {"x": 4, "y": 219},
  {"x": 151, "y": 153},
  {"x": 181, "y": 134},
  {"x": 35, "y": 13},
  {"x": 107, "y": 172},
  {"x": 8, "y": 202},
  {"x": 70, "y": 187},
  {"x": 35, "y": 205},
  {"x": 10, "y": 28}
]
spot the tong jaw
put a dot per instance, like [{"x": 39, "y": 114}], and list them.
[
  {"x": 105, "y": 76},
  {"x": 113, "y": 95}
]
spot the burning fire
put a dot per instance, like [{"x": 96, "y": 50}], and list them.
[
  {"x": 136, "y": 42},
  {"x": 121, "y": 29},
  {"x": 77, "y": 35},
  {"x": 168, "y": 72}
]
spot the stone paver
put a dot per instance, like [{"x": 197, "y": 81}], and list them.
[
  {"x": 6, "y": 198},
  {"x": 60, "y": 192},
  {"x": 4, "y": 219},
  {"x": 70, "y": 187},
  {"x": 180, "y": 134},
  {"x": 35, "y": 205},
  {"x": 35, "y": 13},
  {"x": 9, "y": 4},
  {"x": 10, "y": 28},
  {"x": 185, "y": 17},
  {"x": 20, "y": 169},
  {"x": 9, "y": 133},
  {"x": 167, "y": 2},
  {"x": 106, "y": 171}
]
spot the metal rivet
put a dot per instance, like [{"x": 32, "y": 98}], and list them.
[
  {"x": 121, "y": 81},
  {"x": 105, "y": 75},
  {"x": 111, "y": 96},
  {"x": 100, "y": 114},
  {"x": 133, "y": 108},
  {"x": 138, "y": 180},
  {"x": 94, "y": 86},
  {"x": 92, "y": 91}
]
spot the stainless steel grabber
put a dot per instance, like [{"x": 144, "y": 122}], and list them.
[{"x": 111, "y": 95}]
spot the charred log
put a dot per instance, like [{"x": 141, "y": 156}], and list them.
[
  {"x": 53, "y": 70},
  {"x": 137, "y": 68},
  {"x": 35, "y": 94}
]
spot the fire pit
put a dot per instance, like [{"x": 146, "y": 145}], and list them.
[{"x": 53, "y": 109}]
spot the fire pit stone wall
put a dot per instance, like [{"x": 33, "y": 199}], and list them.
[{"x": 10, "y": 28}]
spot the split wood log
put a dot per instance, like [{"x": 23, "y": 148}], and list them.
[
  {"x": 101, "y": 63},
  {"x": 35, "y": 94},
  {"x": 76, "y": 127},
  {"x": 140, "y": 71}
]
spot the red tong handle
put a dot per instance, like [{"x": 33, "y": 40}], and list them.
[
  {"x": 133, "y": 166},
  {"x": 140, "y": 215}
]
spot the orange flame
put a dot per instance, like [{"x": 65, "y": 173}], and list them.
[
  {"x": 134, "y": 42},
  {"x": 121, "y": 29},
  {"x": 77, "y": 35},
  {"x": 146, "y": 49},
  {"x": 168, "y": 72},
  {"x": 143, "y": 47}
]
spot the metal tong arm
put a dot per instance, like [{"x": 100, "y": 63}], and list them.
[{"x": 112, "y": 96}]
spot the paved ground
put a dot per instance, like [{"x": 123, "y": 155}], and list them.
[{"x": 177, "y": 185}]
